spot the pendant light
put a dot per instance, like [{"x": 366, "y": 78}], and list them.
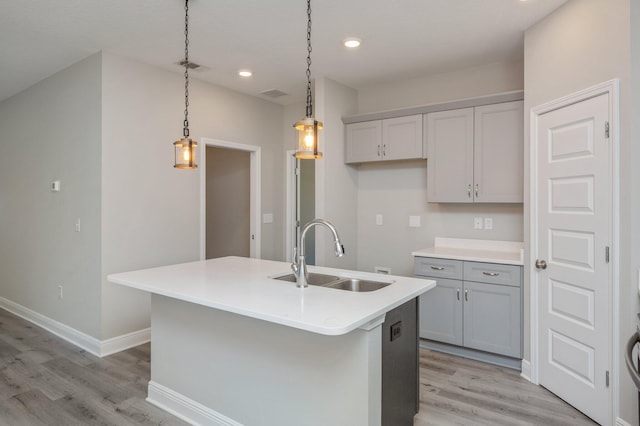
[
  {"x": 185, "y": 148},
  {"x": 308, "y": 127}
]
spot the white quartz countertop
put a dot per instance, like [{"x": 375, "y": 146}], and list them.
[
  {"x": 505, "y": 252},
  {"x": 243, "y": 286}
]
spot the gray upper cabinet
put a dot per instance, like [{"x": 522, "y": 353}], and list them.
[
  {"x": 364, "y": 141},
  {"x": 450, "y": 152},
  {"x": 397, "y": 138},
  {"x": 475, "y": 154}
]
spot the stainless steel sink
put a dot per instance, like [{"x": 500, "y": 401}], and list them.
[
  {"x": 314, "y": 279},
  {"x": 354, "y": 284},
  {"x": 339, "y": 283}
]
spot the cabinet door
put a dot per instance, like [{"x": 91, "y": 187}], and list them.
[
  {"x": 363, "y": 142},
  {"x": 492, "y": 318},
  {"x": 450, "y": 156},
  {"x": 441, "y": 312},
  {"x": 402, "y": 138},
  {"x": 498, "y": 153}
]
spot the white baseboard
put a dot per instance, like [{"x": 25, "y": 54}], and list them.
[
  {"x": 525, "y": 371},
  {"x": 126, "y": 341},
  {"x": 78, "y": 338},
  {"x": 186, "y": 408}
]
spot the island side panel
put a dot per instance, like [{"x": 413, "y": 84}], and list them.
[{"x": 254, "y": 372}]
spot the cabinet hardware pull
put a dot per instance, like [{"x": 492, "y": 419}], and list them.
[
  {"x": 458, "y": 293},
  {"x": 384, "y": 149},
  {"x": 466, "y": 295},
  {"x": 378, "y": 150},
  {"x": 469, "y": 191},
  {"x": 491, "y": 274},
  {"x": 476, "y": 190},
  {"x": 437, "y": 268}
]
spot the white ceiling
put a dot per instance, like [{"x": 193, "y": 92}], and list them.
[{"x": 401, "y": 38}]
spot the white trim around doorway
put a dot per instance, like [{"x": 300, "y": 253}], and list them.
[
  {"x": 255, "y": 199},
  {"x": 611, "y": 88}
]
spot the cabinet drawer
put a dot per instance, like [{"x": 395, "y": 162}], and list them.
[
  {"x": 438, "y": 268},
  {"x": 493, "y": 273}
]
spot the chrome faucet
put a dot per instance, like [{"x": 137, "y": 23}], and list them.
[{"x": 299, "y": 266}]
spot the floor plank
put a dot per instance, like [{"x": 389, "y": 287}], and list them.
[{"x": 47, "y": 381}]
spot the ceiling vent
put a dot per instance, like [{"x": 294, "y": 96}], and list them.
[
  {"x": 273, "y": 93},
  {"x": 191, "y": 66}
]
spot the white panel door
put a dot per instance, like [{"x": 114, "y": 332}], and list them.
[{"x": 574, "y": 232}]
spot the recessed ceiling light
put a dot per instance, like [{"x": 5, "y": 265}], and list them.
[
  {"x": 352, "y": 42},
  {"x": 245, "y": 73}
]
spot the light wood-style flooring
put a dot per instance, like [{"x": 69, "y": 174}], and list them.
[
  {"x": 459, "y": 391},
  {"x": 47, "y": 381}
]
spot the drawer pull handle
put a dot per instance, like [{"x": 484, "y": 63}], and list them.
[
  {"x": 466, "y": 295},
  {"x": 437, "y": 268},
  {"x": 458, "y": 293},
  {"x": 491, "y": 274}
]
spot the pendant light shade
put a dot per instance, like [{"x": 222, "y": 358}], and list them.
[
  {"x": 185, "y": 153},
  {"x": 308, "y": 127},
  {"x": 308, "y": 138},
  {"x": 185, "y": 148}
]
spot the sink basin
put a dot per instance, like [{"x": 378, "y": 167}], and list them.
[
  {"x": 354, "y": 284},
  {"x": 314, "y": 279},
  {"x": 339, "y": 283}
]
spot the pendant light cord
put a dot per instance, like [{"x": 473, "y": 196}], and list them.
[
  {"x": 185, "y": 130},
  {"x": 309, "y": 98}
]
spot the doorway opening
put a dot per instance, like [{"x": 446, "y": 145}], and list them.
[
  {"x": 301, "y": 205},
  {"x": 229, "y": 199}
]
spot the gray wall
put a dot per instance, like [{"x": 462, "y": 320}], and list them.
[
  {"x": 228, "y": 202},
  {"x": 398, "y": 190},
  {"x": 51, "y": 131},
  {"x": 442, "y": 87},
  {"x": 583, "y": 43},
  {"x": 151, "y": 211},
  {"x": 336, "y": 183}
]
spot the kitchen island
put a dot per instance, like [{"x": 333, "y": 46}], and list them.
[{"x": 231, "y": 345}]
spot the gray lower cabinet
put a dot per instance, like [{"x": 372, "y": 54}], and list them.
[{"x": 477, "y": 305}]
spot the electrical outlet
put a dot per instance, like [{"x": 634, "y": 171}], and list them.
[
  {"x": 78, "y": 225},
  {"x": 488, "y": 223},
  {"x": 385, "y": 270},
  {"x": 379, "y": 219},
  {"x": 396, "y": 330},
  {"x": 477, "y": 223},
  {"x": 60, "y": 292}
]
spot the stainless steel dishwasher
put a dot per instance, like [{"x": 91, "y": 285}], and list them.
[{"x": 400, "y": 396}]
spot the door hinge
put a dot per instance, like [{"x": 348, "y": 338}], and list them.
[
  {"x": 606, "y": 129},
  {"x": 297, "y": 171},
  {"x": 607, "y": 378},
  {"x": 606, "y": 254}
]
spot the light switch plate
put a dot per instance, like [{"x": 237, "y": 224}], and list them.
[
  {"x": 414, "y": 221},
  {"x": 488, "y": 223},
  {"x": 267, "y": 218},
  {"x": 379, "y": 219}
]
